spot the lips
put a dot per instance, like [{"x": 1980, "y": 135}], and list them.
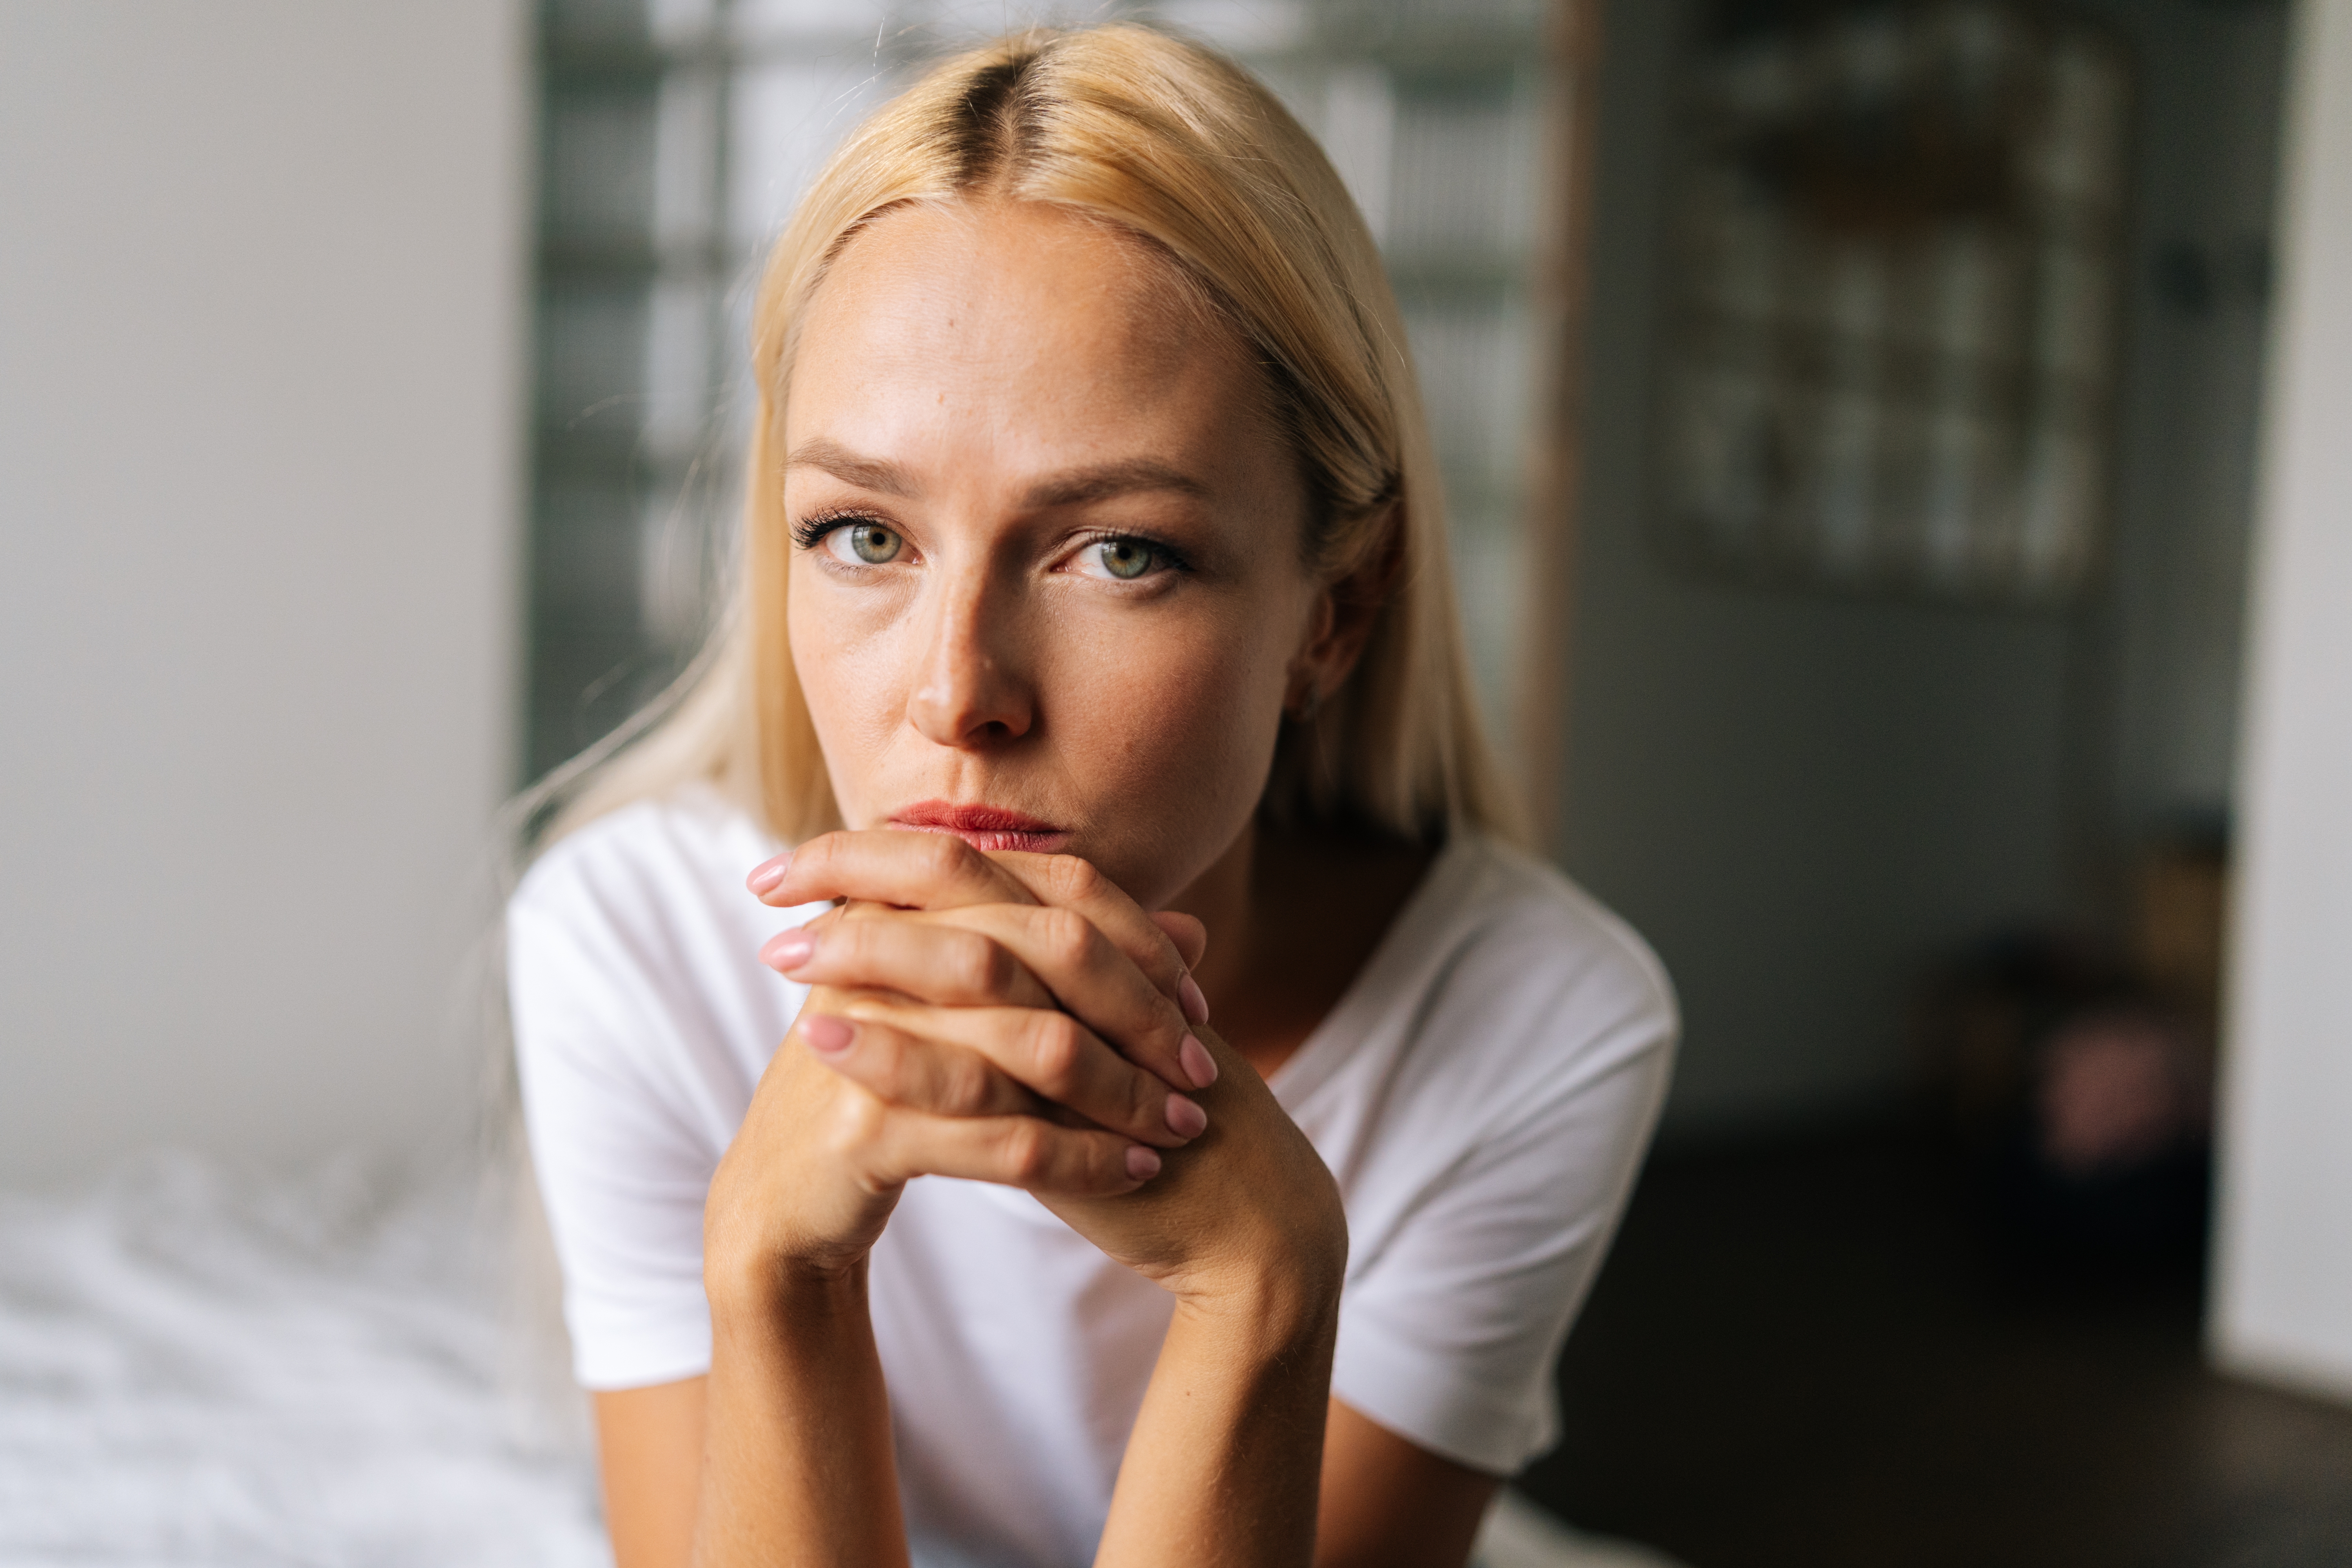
[{"x": 983, "y": 826}]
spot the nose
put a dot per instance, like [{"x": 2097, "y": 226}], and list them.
[{"x": 971, "y": 689}]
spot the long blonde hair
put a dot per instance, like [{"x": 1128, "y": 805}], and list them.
[{"x": 1177, "y": 146}]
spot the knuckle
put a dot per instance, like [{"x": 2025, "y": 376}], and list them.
[
  {"x": 1028, "y": 1152},
  {"x": 1073, "y": 878},
  {"x": 945, "y": 855},
  {"x": 1054, "y": 1048},
  {"x": 851, "y": 945},
  {"x": 820, "y": 853},
  {"x": 882, "y": 1066},
  {"x": 1163, "y": 960},
  {"x": 975, "y": 964},
  {"x": 1068, "y": 936},
  {"x": 1147, "y": 1100},
  {"x": 967, "y": 1089},
  {"x": 856, "y": 1122},
  {"x": 1106, "y": 1164}
]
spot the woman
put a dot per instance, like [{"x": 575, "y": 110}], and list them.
[{"x": 1096, "y": 661}]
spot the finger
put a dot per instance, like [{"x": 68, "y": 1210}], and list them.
[
  {"x": 902, "y": 1070},
  {"x": 949, "y": 965},
  {"x": 1092, "y": 979},
  {"x": 1192, "y": 940},
  {"x": 1068, "y": 881},
  {"x": 896, "y": 1146},
  {"x": 910, "y": 870},
  {"x": 986, "y": 1061},
  {"x": 1191, "y": 937}
]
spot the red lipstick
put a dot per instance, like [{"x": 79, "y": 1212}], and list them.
[{"x": 983, "y": 826}]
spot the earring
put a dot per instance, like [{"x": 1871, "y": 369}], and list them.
[{"x": 1309, "y": 703}]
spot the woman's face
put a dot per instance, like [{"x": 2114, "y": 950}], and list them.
[{"x": 1047, "y": 585}]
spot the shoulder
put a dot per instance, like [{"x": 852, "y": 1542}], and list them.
[
  {"x": 1534, "y": 992},
  {"x": 640, "y": 921},
  {"x": 1523, "y": 924},
  {"x": 634, "y": 984},
  {"x": 649, "y": 854}
]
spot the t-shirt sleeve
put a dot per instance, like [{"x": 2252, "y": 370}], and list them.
[
  {"x": 606, "y": 1051},
  {"x": 1451, "y": 1333}
]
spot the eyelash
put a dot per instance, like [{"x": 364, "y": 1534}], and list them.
[
  {"x": 810, "y": 530},
  {"x": 1170, "y": 556}
]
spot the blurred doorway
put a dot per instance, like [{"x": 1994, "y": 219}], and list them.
[{"x": 1933, "y": 847}]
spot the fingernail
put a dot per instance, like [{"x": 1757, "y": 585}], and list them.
[
  {"x": 1189, "y": 997},
  {"x": 1198, "y": 1064},
  {"x": 788, "y": 949},
  {"x": 1185, "y": 1119},
  {"x": 828, "y": 1035},
  {"x": 768, "y": 873},
  {"x": 1142, "y": 1164}
]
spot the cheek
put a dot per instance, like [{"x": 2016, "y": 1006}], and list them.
[
  {"x": 1178, "y": 713},
  {"x": 850, "y": 668}
]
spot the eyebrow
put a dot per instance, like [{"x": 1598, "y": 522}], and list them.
[
  {"x": 1082, "y": 485},
  {"x": 866, "y": 473},
  {"x": 1073, "y": 487}
]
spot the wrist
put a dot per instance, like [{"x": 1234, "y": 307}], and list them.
[
  {"x": 760, "y": 1286},
  {"x": 1283, "y": 1306},
  {"x": 761, "y": 1239},
  {"x": 756, "y": 1261}
]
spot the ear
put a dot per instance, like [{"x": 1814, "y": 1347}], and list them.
[{"x": 1342, "y": 620}]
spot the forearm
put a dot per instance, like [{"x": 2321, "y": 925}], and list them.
[
  {"x": 1223, "y": 1468},
  {"x": 797, "y": 1464}
]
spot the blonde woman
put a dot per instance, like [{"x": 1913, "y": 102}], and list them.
[{"x": 1085, "y": 812}]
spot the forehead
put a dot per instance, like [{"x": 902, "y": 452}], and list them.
[{"x": 1058, "y": 335}]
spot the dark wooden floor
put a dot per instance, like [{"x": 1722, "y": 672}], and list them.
[{"x": 1809, "y": 1356}]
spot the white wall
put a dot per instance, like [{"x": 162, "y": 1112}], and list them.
[
  {"x": 2284, "y": 1295},
  {"x": 261, "y": 286}
]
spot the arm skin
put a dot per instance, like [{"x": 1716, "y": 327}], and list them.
[
  {"x": 797, "y": 1466},
  {"x": 1220, "y": 1468},
  {"x": 1386, "y": 1502}
]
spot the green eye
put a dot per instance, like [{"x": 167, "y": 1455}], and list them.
[
  {"x": 873, "y": 543},
  {"x": 1126, "y": 559}
]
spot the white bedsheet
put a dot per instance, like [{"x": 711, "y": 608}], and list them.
[{"x": 199, "y": 1370}]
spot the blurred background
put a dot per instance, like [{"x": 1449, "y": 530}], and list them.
[{"x": 1895, "y": 460}]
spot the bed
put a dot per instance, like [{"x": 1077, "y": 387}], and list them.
[{"x": 204, "y": 1366}]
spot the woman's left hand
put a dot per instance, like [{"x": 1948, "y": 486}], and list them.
[{"x": 960, "y": 983}]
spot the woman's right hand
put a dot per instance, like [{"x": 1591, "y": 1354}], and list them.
[{"x": 1018, "y": 1092}]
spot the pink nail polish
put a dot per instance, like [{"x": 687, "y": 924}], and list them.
[
  {"x": 768, "y": 873},
  {"x": 1189, "y": 997},
  {"x": 1198, "y": 1064},
  {"x": 827, "y": 1034},
  {"x": 1185, "y": 1119},
  {"x": 788, "y": 949},
  {"x": 1142, "y": 1164}
]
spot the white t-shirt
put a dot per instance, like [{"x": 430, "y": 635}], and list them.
[{"x": 1483, "y": 1092}]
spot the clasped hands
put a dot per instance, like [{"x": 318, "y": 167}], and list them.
[{"x": 1014, "y": 1018}]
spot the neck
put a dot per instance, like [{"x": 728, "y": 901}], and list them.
[
  {"x": 1220, "y": 899},
  {"x": 1292, "y": 917}
]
